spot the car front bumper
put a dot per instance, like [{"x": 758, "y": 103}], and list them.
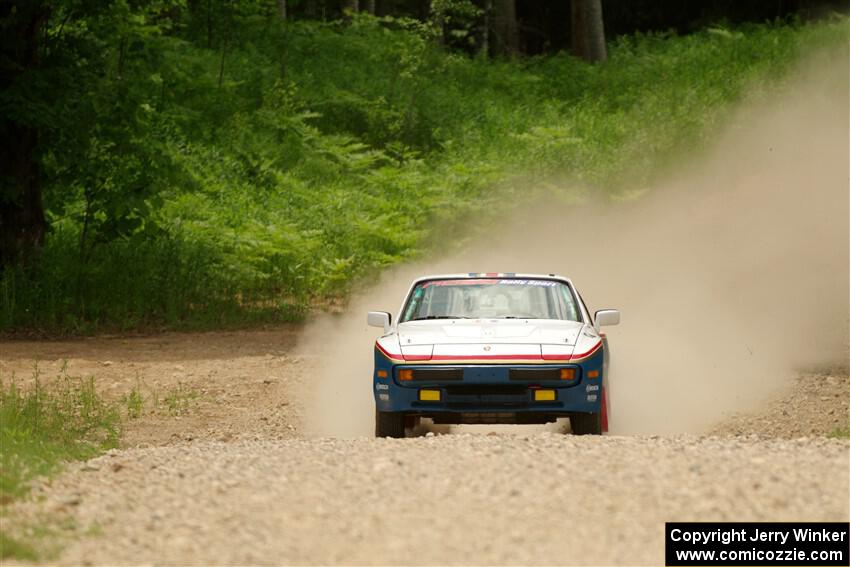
[{"x": 489, "y": 393}]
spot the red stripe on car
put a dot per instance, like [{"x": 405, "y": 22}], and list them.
[{"x": 447, "y": 357}]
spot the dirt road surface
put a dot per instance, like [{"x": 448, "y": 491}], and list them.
[{"x": 215, "y": 471}]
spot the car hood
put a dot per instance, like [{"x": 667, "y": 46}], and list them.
[
  {"x": 490, "y": 340},
  {"x": 490, "y": 331}
]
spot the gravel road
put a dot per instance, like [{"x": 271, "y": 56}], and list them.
[
  {"x": 448, "y": 499},
  {"x": 230, "y": 480}
]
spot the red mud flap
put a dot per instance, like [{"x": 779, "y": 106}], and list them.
[{"x": 604, "y": 411}]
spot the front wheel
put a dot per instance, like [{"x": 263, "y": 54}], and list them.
[
  {"x": 389, "y": 424},
  {"x": 586, "y": 423}
]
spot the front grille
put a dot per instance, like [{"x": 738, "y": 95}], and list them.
[
  {"x": 496, "y": 395},
  {"x": 493, "y": 389},
  {"x": 535, "y": 374},
  {"x": 437, "y": 374}
]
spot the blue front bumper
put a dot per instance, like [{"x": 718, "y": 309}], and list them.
[{"x": 489, "y": 389}]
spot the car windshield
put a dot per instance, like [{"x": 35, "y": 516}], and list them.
[{"x": 491, "y": 299}]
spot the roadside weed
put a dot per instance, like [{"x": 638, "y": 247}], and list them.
[
  {"x": 134, "y": 402},
  {"x": 177, "y": 400},
  {"x": 42, "y": 425}
]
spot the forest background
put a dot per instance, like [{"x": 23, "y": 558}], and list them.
[{"x": 209, "y": 163}]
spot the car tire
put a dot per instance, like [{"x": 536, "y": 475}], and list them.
[
  {"x": 389, "y": 424},
  {"x": 586, "y": 423}
]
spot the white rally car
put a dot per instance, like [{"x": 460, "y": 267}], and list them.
[{"x": 491, "y": 348}]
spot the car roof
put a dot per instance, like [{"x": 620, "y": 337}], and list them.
[{"x": 476, "y": 275}]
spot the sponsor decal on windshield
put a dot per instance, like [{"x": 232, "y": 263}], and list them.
[
  {"x": 543, "y": 283},
  {"x": 459, "y": 282}
]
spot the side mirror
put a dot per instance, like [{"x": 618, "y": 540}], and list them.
[
  {"x": 606, "y": 317},
  {"x": 379, "y": 319}
]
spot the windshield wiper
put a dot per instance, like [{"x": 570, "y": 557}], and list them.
[{"x": 439, "y": 317}]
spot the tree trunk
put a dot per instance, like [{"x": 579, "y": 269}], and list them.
[
  {"x": 221, "y": 65},
  {"x": 370, "y": 6},
  {"x": 485, "y": 31},
  {"x": 588, "y": 31},
  {"x": 424, "y": 10},
  {"x": 311, "y": 10},
  {"x": 22, "y": 222},
  {"x": 209, "y": 23},
  {"x": 437, "y": 18},
  {"x": 351, "y": 5},
  {"x": 281, "y": 9},
  {"x": 577, "y": 29},
  {"x": 122, "y": 48},
  {"x": 505, "y": 28}
]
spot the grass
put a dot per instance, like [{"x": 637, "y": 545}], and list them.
[
  {"x": 42, "y": 426},
  {"x": 49, "y": 422},
  {"x": 46, "y": 423},
  {"x": 177, "y": 400},
  {"x": 134, "y": 403},
  {"x": 14, "y": 548},
  {"x": 841, "y": 433}
]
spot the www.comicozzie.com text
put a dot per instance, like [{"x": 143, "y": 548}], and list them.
[{"x": 743, "y": 534}]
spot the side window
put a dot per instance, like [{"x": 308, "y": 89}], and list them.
[
  {"x": 413, "y": 305},
  {"x": 569, "y": 303},
  {"x": 589, "y": 314}
]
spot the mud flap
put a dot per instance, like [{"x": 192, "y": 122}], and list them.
[{"x": 604, "y": 410}]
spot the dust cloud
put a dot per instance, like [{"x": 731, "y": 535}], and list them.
[{"x": 731, "y": 275}]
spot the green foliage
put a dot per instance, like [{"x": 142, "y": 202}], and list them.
[
  {"x": 456, "y": 21},
  {"x": 841, "y": 433},
  {"x": 42, "y": 425},
  {"x": 11, "y": 547},
  {"x": 134, "y": 401},
  {"x": 234, "y": 173},
  {"x": 177, "y": 400}
]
